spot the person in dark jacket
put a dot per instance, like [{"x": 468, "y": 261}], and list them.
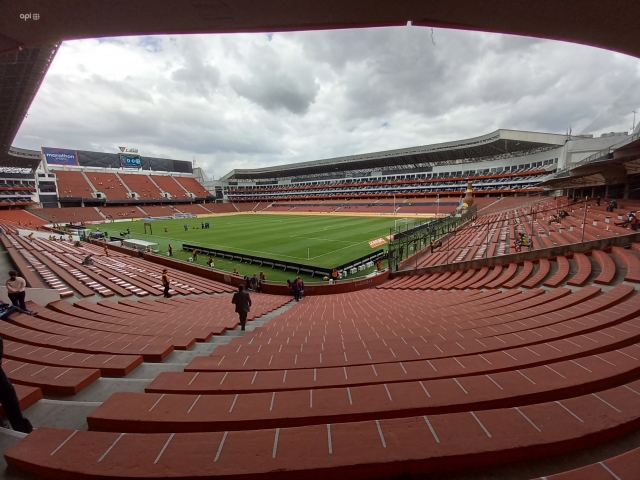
[
  {"x": 10, "y": 402},
  {"x": 242, "y": 300}
]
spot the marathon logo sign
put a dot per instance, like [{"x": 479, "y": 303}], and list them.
[
  {"x": 377, "y": 242},
  {"x": 60, "y": 156}
]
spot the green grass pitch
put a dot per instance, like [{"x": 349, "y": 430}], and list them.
[{"x": 323, "y": 241}]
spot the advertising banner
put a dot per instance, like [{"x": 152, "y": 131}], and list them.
[
  {"x": 128, "y": 160},
  {"x": 60, "y": 156}
]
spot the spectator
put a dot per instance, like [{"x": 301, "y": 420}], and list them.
[
  {"x": 88, "y": 260},
  {"x": 16, "y": 289},
  {"x": 335, "y": 274},
  {"x": 612, "y": 205},
  {"x": 298, "y": 281},
  {"x": 10, "y": 403},
  {"x": 598, "y": 201},
  {"x": 210, "y": 262},
  {"x": 295, "y": 286},
  {"x": 254, "y": 282},
  {"x": 379, "y": 265},
  {"x": 630, "y": 217},
  {"x": 236, "y": 272},
  {"x": 242, "y": 300},
  {"x": 6, "y": 310},
  {"x": 166, "y": 282},
  {"x": 106, "y": 250}
]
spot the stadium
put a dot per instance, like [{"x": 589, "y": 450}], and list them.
[{"x": 468, "y": 308}]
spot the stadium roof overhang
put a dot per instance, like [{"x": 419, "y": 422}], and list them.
[
  {"x": 590, "y": 22},
  {"x": 610, "y": 169},
  {"x": 20, "y": 158},
  {"x": 31, "y": 30},
  {"x": 21, "y": 74},
  {"x": 500, "y": 142}
]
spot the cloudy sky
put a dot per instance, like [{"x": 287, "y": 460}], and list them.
[{"x": 249, "y": 100}]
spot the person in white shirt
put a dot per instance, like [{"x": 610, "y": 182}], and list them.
[{"x": 15, "y": 289}]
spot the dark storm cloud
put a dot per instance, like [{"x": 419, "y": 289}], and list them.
[{"x": 237, "y": 101}]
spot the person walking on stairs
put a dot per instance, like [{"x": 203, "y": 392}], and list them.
[
  {"x": 166, "y": 282},
  {"x": 242, "y": 300}
]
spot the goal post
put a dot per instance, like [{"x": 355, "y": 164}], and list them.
[{"x": 403, "y": 224}]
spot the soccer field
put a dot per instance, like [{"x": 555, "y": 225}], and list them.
[{"x": 324, "y": 241}]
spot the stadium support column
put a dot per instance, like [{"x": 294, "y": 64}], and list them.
[{"x": 627, "y": 187}]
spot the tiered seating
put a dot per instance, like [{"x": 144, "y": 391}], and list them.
[
  {"x": 109, "y": 184},
  {"x": 68, "y": 214},
  {"x": 65, "y": 348},
  {"x": 168, "y": 184},
  {"x": 489, "y": 205},
  {"x": 195, "y": 208},
  {"x": 20, "y": 217},
  {"x": 371, "y": 206},
  {"x": 142, "y": 185},
  {"x": 193, "y": 186},
  {"x": 422, "y": 205},
  {"x": 159, "y": 210},
  {"x": 447, "y": 371},
  {"x": 279, "y": 208},
  {"x": 247, "y": 206},
  {"x": 58, "y": 263},
  {"x": 495, "y": 234},
  {"x": 574, "y": 270},
  {"x": 116, "y": 213},
  {"x": 72, "y": 183},
  {"x": 401, "y": 374},
  {"x": 424, "y": 186},
  {"x": 622, "y": 467},
  {"x": 221, "y": 208}
]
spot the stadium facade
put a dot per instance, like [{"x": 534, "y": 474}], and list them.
[{"x": 501, "y": 162}]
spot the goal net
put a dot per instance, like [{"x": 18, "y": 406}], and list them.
[
  {"x": 184, "y": 215},
  {"x": 403, "y": 224}
]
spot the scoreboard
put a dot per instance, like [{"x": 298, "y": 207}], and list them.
[{"x": 129, "y": 160}]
